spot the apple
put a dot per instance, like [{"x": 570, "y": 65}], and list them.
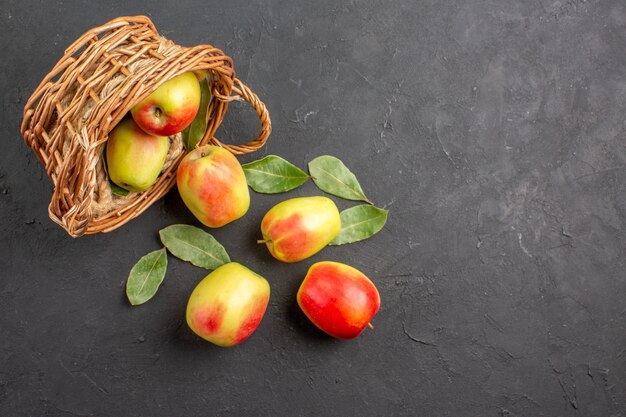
[
  {"x": 213, "y": 185},
  {"x": 339, "y": 299},
  {"x": 298, "y": 228},
  {"x": 227, "y": 306},
  {"x": 171, "y": 107},
  {"x": 134, "y": 158}
]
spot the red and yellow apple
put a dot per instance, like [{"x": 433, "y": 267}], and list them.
[
  {"x": 227, "y": 306},
  {"x": 134, "y": 158},
  {"x": 213, "y": 185},
  {"x": 339, "y": 299},
  {"x": 171, "y": 107},
  {"x": 298, "y": 228}
]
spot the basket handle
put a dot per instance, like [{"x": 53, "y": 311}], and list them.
[{"x": 243, "y": 93}]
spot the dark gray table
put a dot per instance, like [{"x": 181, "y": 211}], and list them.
[{"x": 494, "y": 132}]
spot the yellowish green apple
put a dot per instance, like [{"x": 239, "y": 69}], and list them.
[
  {"x": 227, "y": 306},
  {"x": 134, "y": 158}
]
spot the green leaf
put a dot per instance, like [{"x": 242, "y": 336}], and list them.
[
  {"x": 359, "y": 223},
  {"x": 194, "y": 132},
  {"x": 333, "y": 177},
  {"x": 117, "y": 190},
  {"x": 146, "y": 277},
  {"x": 194, "y": 245},
  {"x": 273, "y": 174}
]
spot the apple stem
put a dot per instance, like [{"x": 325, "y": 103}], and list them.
[
  {"x": 261, "y": 241},
  {"x": 370, "y": 325}
]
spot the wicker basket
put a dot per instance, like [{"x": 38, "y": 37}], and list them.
[{"x": 99, "y": 78}]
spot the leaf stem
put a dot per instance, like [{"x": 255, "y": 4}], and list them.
[{"x": 370, "y": 325}]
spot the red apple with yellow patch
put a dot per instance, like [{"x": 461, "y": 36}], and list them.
[
  {"x": 171, "y": 107},
  {"x": 300, "y": 227},
  {"x": 339, "y": 299},
  {"x": 227, "y": 306},
  {"x": 213, "y": 185}
]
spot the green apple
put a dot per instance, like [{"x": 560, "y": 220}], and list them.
[
  {"x": 171, "y": 107},
  {"x": 213, "y": 185},
  {"x": 134, "y": 158},
  {"x": 300, "y": 227},
  {"x": 227, "y": 306}
]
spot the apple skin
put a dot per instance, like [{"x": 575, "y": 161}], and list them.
[
  {"x": 339, "y": 299},
  {"x": 213, "y": 185},
  {"x": 171, "y": 107},
  {"x": 227, "y": 306},
  {"x": 298, "y": 228},
  {"x": 134, "y": 158}
]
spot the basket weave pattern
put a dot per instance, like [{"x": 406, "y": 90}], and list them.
[{"x": 97, "y": 81}]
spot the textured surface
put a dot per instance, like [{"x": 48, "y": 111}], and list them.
[{"x": 493, "y": 131}]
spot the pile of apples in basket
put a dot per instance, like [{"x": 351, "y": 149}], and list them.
[{"x": 227, "y": 306}]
